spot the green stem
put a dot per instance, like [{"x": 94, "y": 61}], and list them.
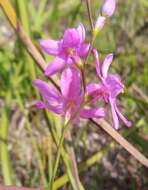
[
  {"x": 86, "y": 61},
  {"x": 91, "y": 45},
  {"x": 58, "y": 154},
  {"x": 23, "y": 12},
  {"x": 5, "y": 161},
  {"x": 67, "y": 123},
  {"x": 50, "y": 121},
  {"x": 50, "y": 159},
  {"x": 73, "y": 161}
]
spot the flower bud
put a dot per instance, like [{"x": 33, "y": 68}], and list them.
[
  {"x": 99, "y": 24},
  {"x": 108, "y": 7}
]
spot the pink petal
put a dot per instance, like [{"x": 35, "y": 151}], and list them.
[
  {"x": 114, "y": 114},
  {"x": 106, "y": 63},
  {"x": 92, "y": 87},
  {"x": 114, "y": 85},
  {"x": 69, "y": 61},
  {"x": 81, "y": 32},
  {"x": 125, "y": 121},
  {"x": 108, "y": 7},
  {"x": 94, "y": 91},
  {"x": 41, "y": 105},
  {"x": 71, "y": 38},
  {"x": 92, "y": 113},
  {"x": 53, "y": 100},
  {"x": 51, "y": 47},
  {"x": 47, "y": 91},
  {"x": 70, "y": 83},
  {"x": 54, "y": 66},
  {"x": 97, "y": 62},
  {"x": 83, "y": 50},
  {"x": 56, "y": 109}
]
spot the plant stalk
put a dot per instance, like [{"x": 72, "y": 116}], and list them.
[{"x": 58, "y": 154}]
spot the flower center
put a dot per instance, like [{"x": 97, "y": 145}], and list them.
[
  {"x": 70, "y": 105},
  {"x": 70, "y": 51}
]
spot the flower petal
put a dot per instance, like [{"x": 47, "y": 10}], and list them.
[
  {"x": 94, "y": 91},
  {"x": 69, "y": 61},
  {"x": 47, "y": 91},
  {"x": 56, "y": 109},
  {"x": 92, "y": 87},
  {"x": 70, "y": 83},
  {"x": 56, "y": 65},
  {"x": 83, "y": 49},
  {"x": 97, "y": 62},
  {"x": 81, "y": 32},
  {"x": 42, "y": 105},
  {"x": 106, "y": 63},
  {"x": 92, "y": 113},
  {"x": 114, "y": 114},
  {"x": 108, "y": 7},
  {"x": 51, "y": 47},
  {"x": 114, "y": 85},
  {"x": 71, "y": 38},
  {"x": 125, "y": 121}
]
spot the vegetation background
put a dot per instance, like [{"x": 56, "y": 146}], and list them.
[{"x": 26, "y": 143}]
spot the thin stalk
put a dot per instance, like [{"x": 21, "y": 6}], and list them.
[
  {"x": 86, "y": 61},
  {"x": 72, "y": 156},
  {"x": 64, "y": 154},
  {"x": 58, "y": 154},
  {"x": 89, "y": 14},
  {"x": 90, "y": 49},
  {"x": 4, "y": 153},
  {"x": 40, "y": 14},
  {"x": 91, "y": 44},
  {"x": 23, "y": 12},
  {"x": 41, "y": 8},
  {"x": 50, "y": 159},
  {"x": 83, "y": 79},
  {"x": 75, "y": 171}
]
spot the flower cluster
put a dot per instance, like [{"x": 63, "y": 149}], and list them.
[{"x": 73, "y": 101}]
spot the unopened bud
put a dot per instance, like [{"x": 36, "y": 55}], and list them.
[
  {"x": 108, "y": 7},
  {"x": 99, "y": 24}
]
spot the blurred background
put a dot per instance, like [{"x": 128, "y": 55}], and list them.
[{"x": 25, "y": 132}]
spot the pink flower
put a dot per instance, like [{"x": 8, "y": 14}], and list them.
[
  {"x": 69, "y": 102},
  {"x": 109, "y": 88},
  {"x": 108, "y": 7},
  {"x": 107, "y": 10},
  {"x": 67, "y": 50}
]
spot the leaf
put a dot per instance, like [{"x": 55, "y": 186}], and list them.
[{"x": 9, "y": 12}]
